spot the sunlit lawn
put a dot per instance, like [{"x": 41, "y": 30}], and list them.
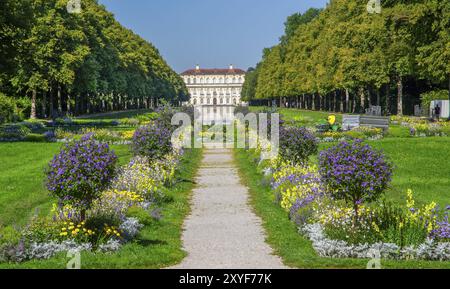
[
  {"x": 22, "y": 193},
  {"x": 22, "y": 189}
]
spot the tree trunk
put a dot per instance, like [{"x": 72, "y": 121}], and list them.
[
  {"x": 362, "y": 100},
  {"x": 341, "y": 102},
  {"x": 313, "y": 101},
  {"x": 59, "y": 100},
  {"x": 399, "y": 96},
  {"x": 44, "y": 104},
  {"x": 378, "y": 97},
  {"x": 347, "y": 100},
  {"x": 52, "y": 104},
  {"x": 334, "y": 100},
  {"x": 69, "y": 108},
  {"x": 354, "y": 103},
  {"x": 320, "y": 102},
  {"x": 388, "y": 99},
  {"x": 33, "y": 104}
]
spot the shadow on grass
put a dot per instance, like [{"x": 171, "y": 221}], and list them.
[{"x": 147, "y": 242}]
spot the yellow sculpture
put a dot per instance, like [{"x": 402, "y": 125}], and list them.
[{"x": 332, "y": 119}]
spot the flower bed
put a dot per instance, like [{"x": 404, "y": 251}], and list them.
[
  {"x": 100, "y": 207},
  {"x": 339, "y": 206},
  {"x": 365, "y": 133}
]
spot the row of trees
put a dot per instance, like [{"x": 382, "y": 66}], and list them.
[
  {"x": 344, "y": 58},
  {"x": 74, "y": 63}
]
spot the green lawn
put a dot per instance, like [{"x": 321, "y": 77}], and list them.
[
  {"x": 113, "y": 115},
  {"x": 302, "y": 117},
  {"x": 420, "y": 164},
  {"x": 22, "y": 189},
  {"x": 295, "y": 250},
  {"x": 158, "y": 245}
]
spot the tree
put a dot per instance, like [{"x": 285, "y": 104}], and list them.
[
  {"x": 343, "y": 50},
  {"x": 84, "y": 62}
]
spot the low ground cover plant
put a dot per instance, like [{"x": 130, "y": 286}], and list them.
[
  {"x": 340, "y": 206},
  {"x": 99, "y": 206}
]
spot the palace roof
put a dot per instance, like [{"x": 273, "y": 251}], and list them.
[{"x": 214, "y": 71}]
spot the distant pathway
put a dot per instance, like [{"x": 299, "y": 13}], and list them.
[{"x": 222, "y": 232}]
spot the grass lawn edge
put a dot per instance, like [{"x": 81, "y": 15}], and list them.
[{"x": 282, "y": 235}]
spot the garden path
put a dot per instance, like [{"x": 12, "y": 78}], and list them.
[{"x": 222, "y": 231}]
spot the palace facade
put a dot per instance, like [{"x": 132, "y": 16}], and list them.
[{"x": 214, "y": 87}]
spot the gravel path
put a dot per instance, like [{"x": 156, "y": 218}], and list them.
[{"x": 222, "y": 231}]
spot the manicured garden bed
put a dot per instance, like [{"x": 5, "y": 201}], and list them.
[
  {"x": 295, "y": 249},
  {"x": 119, "y": 206},
  {"x": 157, "y": 246}
]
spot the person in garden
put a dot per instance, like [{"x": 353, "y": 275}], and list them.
[{"x": 437, "y": 111}]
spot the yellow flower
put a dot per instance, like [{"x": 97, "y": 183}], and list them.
[{"x": 375, "y": 227}]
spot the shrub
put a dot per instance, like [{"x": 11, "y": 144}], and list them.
[
  {"x": 295, "y": 182},
  {"x": 152, "y": 141},
  {"x": 80, "y": 172},
  {"x": 140, "y": 178},
  {"x": 101, "y": 134},
  {"x": 165, "y": 114},
  {"x": 14, "y": 132},
  {"x": 384, "y": 222},
  {"x": 23, "y": 106},
  {"x": 34, "y": 137},
  {"x": 354, "y": 134},
  {"x": 115, "y": 203},
  {"x": 9, "y": 235},
  {"x": 354, "y": 172},
  {"x": 297, "y": 144},
  {"x": 60, "y": 133},
  {"x": 34, "y": 125},
  {"x": 129, "y": 122},
  {"x": 427, "y": 98},
  {"x": 141, "y": 214},
  {"x": 50, "y": 136},
  {"x": 369, "y": 131},
  {"x": 7, "y": 109}
]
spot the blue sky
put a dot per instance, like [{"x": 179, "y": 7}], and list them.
[{"x": 212, "y": 33}]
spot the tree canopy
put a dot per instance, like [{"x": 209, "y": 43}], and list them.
[
  {"x": 338, "y": 58},
  {"x": 79, "y": 62}
]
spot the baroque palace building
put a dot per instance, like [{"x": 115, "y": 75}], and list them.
[{"x": 214, "y": 87}]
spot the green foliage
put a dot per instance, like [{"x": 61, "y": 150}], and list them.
[
  {"x": 7, "y": 109},
  {"x": 87, "y": 62},
  {"x": 34, "y": 137},
  {"x": 428, "y": 97},
  {"x": 141, "y": 214},
  {"x": 14, "y": 132},
  {"x": 9, "y": 235},
  {"x": 344, "y": 49}
]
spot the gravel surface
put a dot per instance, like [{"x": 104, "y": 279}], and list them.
[{"x": 222, "y": 231}]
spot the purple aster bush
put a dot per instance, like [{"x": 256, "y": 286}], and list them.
[
  {"x": 297, "y": 144},
  {"x": 354, "y": 172},
  {"x": 80, "y": 172},
  {"x": 153, "y": 141}
]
